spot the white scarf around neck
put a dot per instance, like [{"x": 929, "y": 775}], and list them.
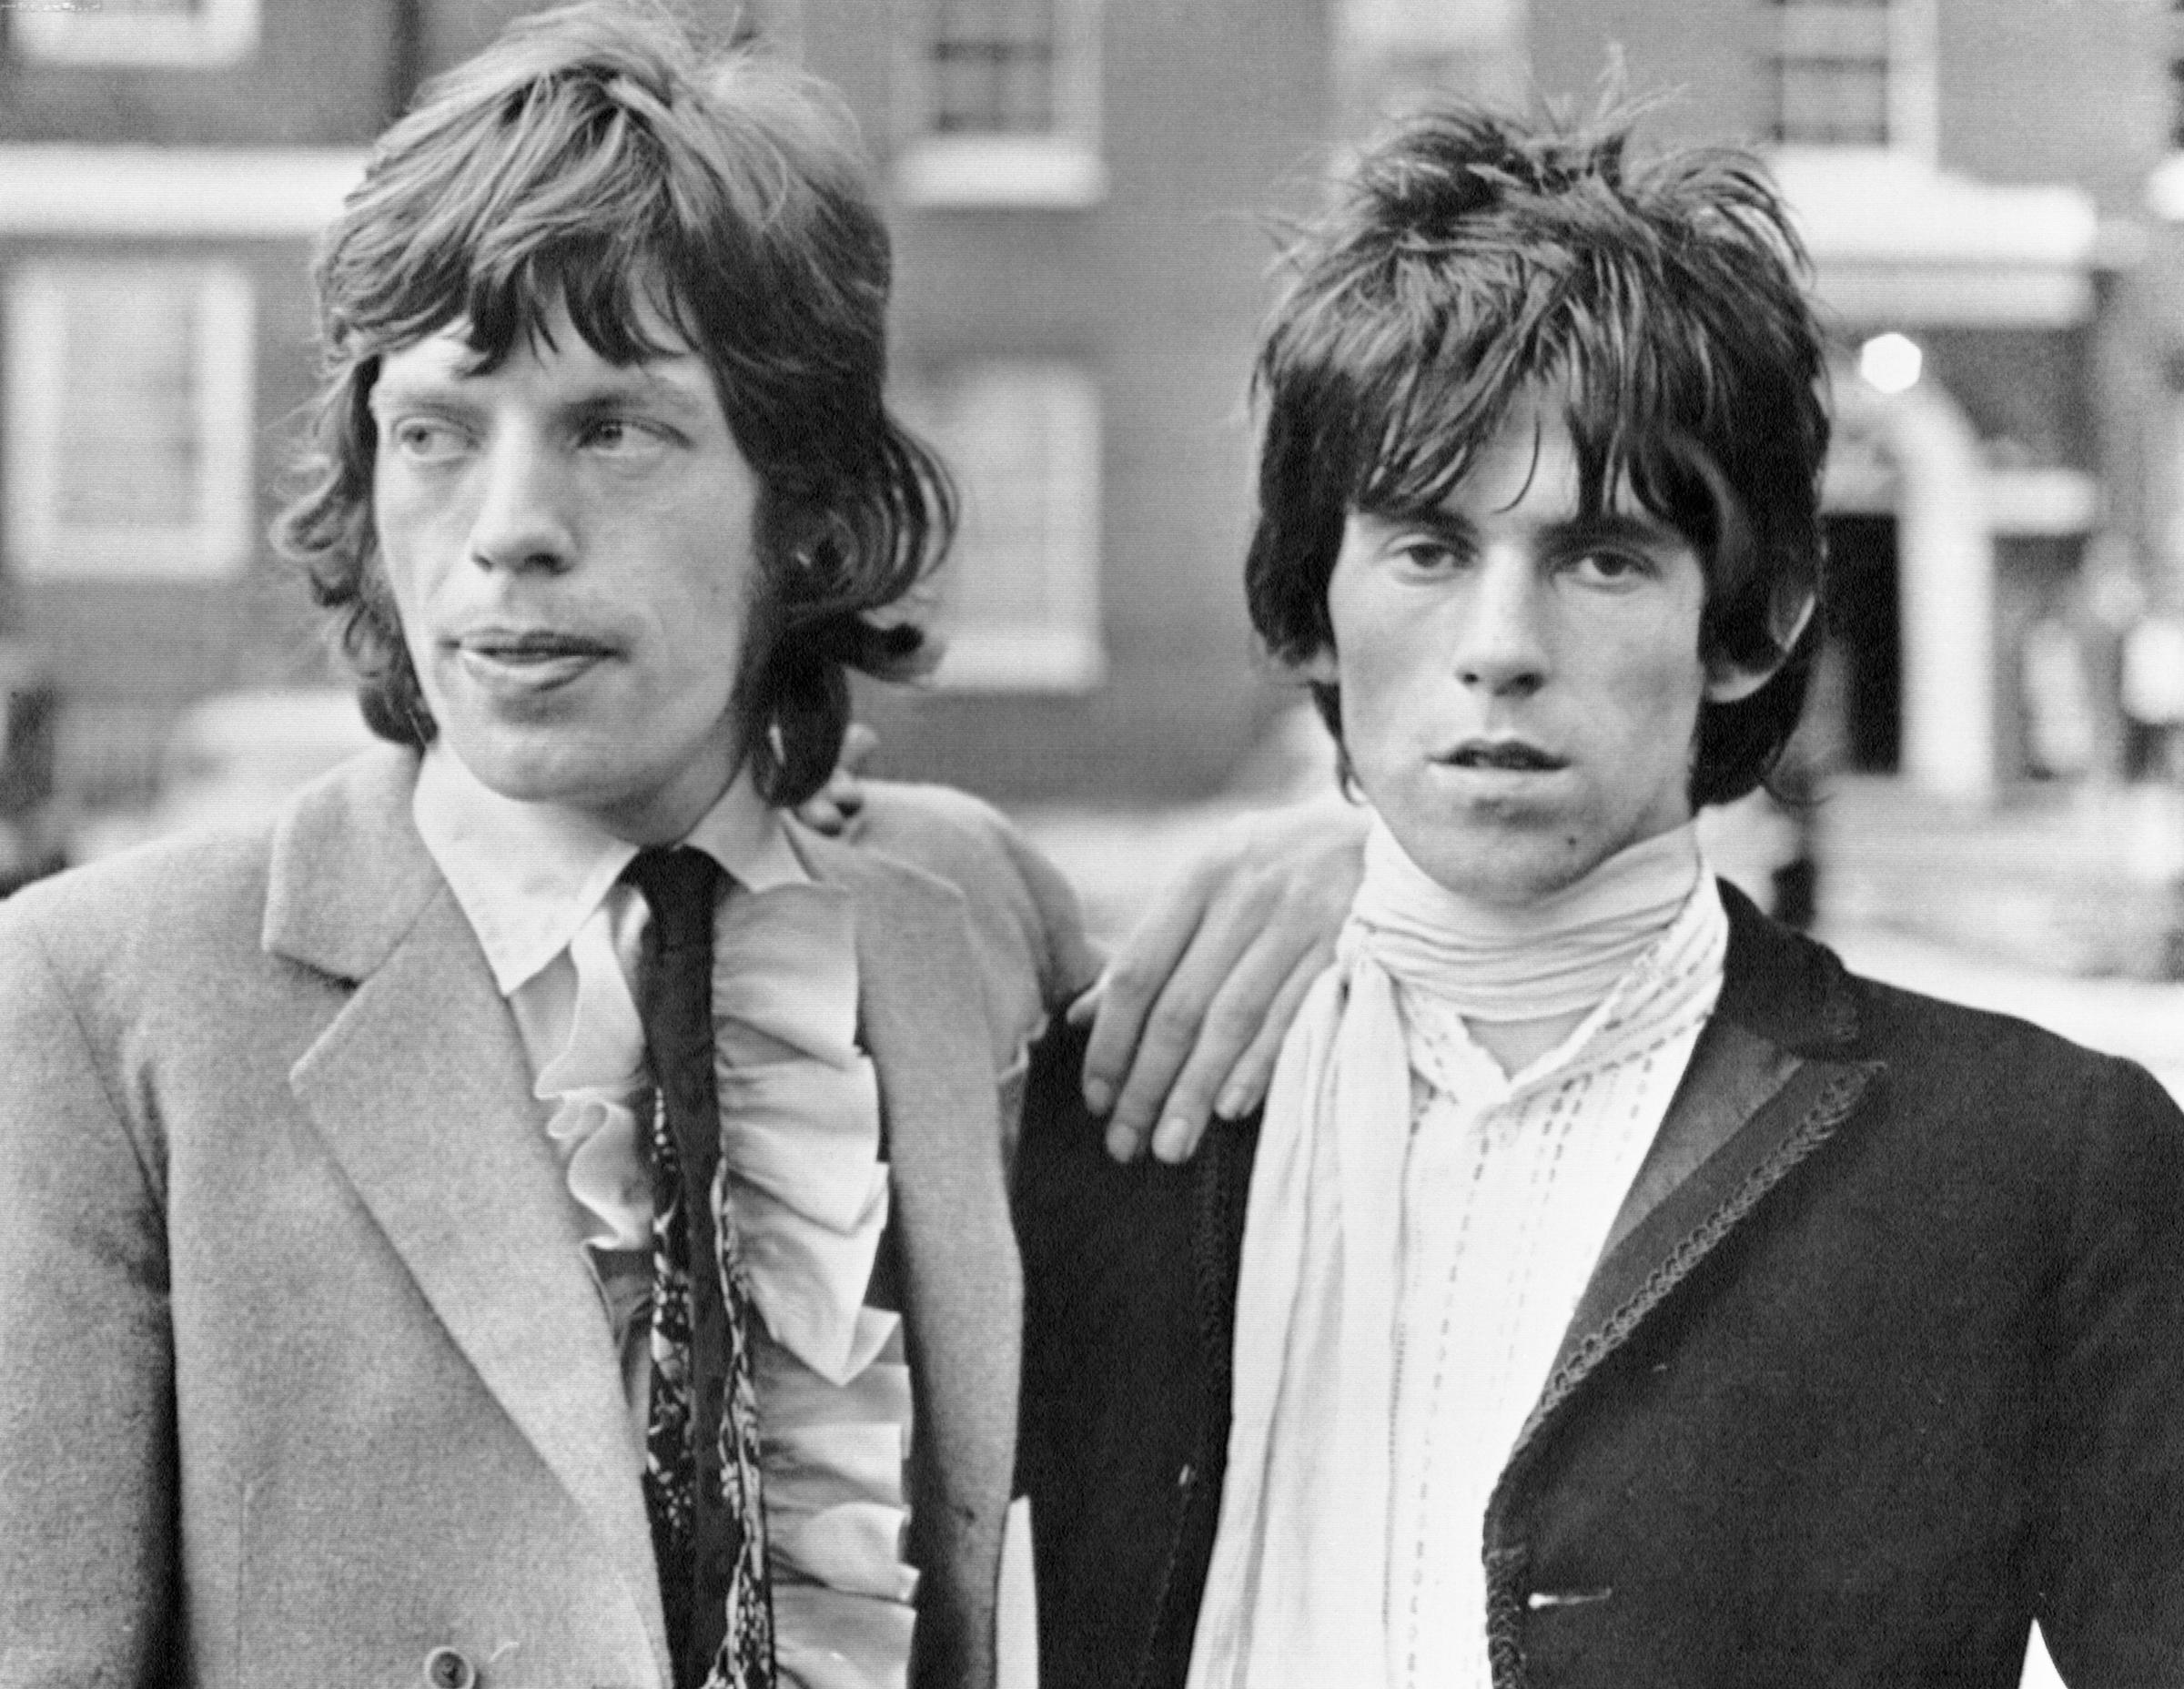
[
  {"x": 1296, "y": 1590},
  {"x": 1556, "y": 956}
]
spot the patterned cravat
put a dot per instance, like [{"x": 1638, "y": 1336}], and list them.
[{"x": 702, "y": 1490}]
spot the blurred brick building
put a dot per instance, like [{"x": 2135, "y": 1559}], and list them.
[
  {"x": 1993, "y": 191},
  {"x": 1076, "y": 188}
]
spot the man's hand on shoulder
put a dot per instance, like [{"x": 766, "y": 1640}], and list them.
[{"x": 1189, "y": 1016}]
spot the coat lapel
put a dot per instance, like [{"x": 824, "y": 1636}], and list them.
[
  {"x": 921, "y": 1004},
  {"x": 420, "y": 1088},
  {"x": 1771, "y": 1080}
]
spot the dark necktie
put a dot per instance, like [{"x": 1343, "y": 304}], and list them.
[{"x": 701, "y": 1474}]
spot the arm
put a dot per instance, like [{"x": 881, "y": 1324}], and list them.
[
  {"x": 1189, "y": 1016},
  {"x": 1186, "y": 1020},
  {"x": 86, "y": 1436},
  {"x": 1116, "y": 1396},
  {"x": 2110, "y": 1567}
]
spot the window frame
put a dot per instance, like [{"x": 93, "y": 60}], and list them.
[
  {"x": 40, "y": 545},
  {"x": 1063, "y": 650},
  {"x": 1060, "y": 168},
  {"x": 1798, "y": 33}
]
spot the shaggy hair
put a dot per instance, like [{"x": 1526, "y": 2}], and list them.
[
  {"x": 1471, "y": 261},
  {"x": 594, "y": 156}
]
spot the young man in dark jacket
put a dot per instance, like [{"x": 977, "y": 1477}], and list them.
[{"x": 1615, "y": 1291}]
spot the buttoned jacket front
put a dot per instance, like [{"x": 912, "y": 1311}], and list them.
[
  {"x": 303, "y": 1376},
  {"x": 1880, "y": 1363}
]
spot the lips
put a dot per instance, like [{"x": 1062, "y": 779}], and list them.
[
  {"x": 529, "y": 644},
  {"x": 527, "y": 662},
  {"x": 1503, "y": 756}
]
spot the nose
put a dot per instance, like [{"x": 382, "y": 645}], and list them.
[
  {"x": 522, "y": 522},
  {"x": 1502, "y": 647}
]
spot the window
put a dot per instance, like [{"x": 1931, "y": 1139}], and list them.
[
  {"x": 138, "y": 32},
  {"x": 1018, "y": 601},
  {"x": 1851, "y": 73},
  {"x": 1001, "y": 103},
  {"x": 992, "y": 66},
  {"x": 128, "y": 420}
]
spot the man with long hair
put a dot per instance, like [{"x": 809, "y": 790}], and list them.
[
  {"x": 534, "y": 1213},
  {"x": 1615, "y": 1290}
]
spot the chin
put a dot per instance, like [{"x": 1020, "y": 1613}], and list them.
[
  {"x": 517, "y": 766},
  {"x": 1499, "y": 870}
]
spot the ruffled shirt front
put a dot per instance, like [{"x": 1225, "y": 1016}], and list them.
[{"x": 801, "y": 1141}]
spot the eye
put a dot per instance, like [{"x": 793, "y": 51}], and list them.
[
  {"x": 1425, "y": 556},
  {"x": 426, "y": 439},
  {"x": 1612, "y": 566},
  {"x": 623, "y": 438}
]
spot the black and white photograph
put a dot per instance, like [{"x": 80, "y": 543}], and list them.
[{"x": 1092, "y": 844}]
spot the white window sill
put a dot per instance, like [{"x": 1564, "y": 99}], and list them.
[
  {"x": 65, "y": 188},
  {"x": 191, "y": 554},
  {"x": 77, "y": 32},
  {"x": 1006, "y": 171}
]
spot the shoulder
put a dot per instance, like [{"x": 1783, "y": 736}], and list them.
[
  {"x": 106, "y": 969},
  {"x": 1952, "y": 1046},
  {"x": 1982, "y": 1090},
  {"x": 180, "y": 914},
  {"x": 1798, "y": 993},
  {"x": 939, "y": 828},
  {"x": 171, "y": 904},
  {"x": 1015, "y": 898},
  {"x": 2007, "y": 1083}
]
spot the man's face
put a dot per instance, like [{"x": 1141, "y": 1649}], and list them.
[
  {"x": 570, "y": 547},
  {"x": 1521, "y": 684}
]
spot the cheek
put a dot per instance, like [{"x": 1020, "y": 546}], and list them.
[
  {"x": 1660, "y": 695},
  {"x": 704, "y": 623},
  {"x": 1370, "y": 640},
  {"x": 406, "y": 537},
  {"x": 1392, "y": 667}
]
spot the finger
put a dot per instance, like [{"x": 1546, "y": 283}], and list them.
[
  {"x": 1246, "y": 1087},
  {"x": 822, "y": 814},
  {"x": 844, "y": 795},
  {"x": 858, "y": 742},
  {"x": 1237, "y": 1042},
  {"x": 1209, "y": 1010},
  {"x": 1132, "y": 984},
  {"x": 1085, "y": 1005}
]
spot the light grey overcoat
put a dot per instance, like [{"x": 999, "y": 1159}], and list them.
[{"x": 303, "y": 1379}]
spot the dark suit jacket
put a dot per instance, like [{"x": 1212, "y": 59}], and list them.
[{"x": 1883, "y": 1361}]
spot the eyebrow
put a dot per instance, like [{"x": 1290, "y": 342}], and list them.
[
  {"x": 1631, "y": 528},
  {"x": 623, "y": 385},
  {"x": 649, "y": 388},
  {"x": 1585, "y": 527}
]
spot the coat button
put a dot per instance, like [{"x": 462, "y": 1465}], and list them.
[{"x": 449, "y": 1668}]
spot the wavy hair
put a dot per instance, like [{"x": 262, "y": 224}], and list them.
[
  {"x": 1471, "y": 259},
  {"x": 598, "y": 157}
]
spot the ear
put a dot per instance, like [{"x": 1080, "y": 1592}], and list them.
[
  {"x": 1321, "y": 667},
  {"x": 1733, "y": 683},
  {"x": 1729, "y": 682}
]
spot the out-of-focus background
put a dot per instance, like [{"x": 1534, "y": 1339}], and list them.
[{"x": 1085, "y": 193}]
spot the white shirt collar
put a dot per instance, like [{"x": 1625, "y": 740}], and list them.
[{"x": 527, "y": 876}]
